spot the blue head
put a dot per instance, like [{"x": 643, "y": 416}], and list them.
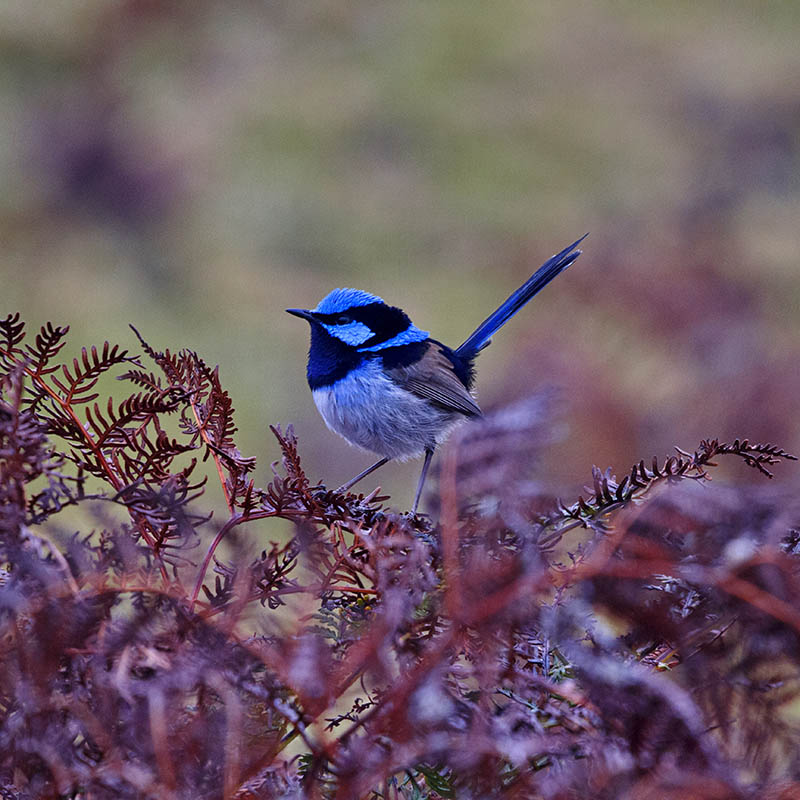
[{"x": 348, "y": 326}]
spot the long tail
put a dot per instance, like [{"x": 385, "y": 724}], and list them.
[{"x": 483, "y": 333}]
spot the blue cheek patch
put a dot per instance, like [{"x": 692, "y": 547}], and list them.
[
  {"x": 354, "y": 333},
  {"x": 410, "y": 335}
]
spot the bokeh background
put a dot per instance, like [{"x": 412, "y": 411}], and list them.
[{"x": 195, "y": 167}]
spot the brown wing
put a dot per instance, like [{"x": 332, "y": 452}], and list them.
[{"x": 433, "y": 378}]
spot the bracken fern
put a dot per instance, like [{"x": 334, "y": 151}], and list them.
[{"x": 629, "y": 643}]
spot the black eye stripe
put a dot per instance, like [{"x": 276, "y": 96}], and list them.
[
  {"x": 366, "y": 314},
  {"x": 384, "y": 321},
  {"x": 336, "y": 319}
]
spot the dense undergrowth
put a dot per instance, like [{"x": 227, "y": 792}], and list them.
[{"x": 641, "y": 641}]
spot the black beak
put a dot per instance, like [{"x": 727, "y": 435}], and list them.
[{"x": 301, "y": 312}]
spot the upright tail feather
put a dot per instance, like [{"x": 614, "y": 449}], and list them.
[{"x": 483, "y": 333}]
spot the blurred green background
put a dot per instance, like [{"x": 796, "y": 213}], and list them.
[{"x": 196, "y": 167}]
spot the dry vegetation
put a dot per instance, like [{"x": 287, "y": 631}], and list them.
[
  {"x": 196, "y": 167},
  {"x": 632, "y": 643}
]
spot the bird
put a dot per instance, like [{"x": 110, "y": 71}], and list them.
[{"x": 387, "y": 386}]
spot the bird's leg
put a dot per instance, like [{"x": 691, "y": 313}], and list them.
[
  {"x": 425, "y": 465},
  {"x": 353, "y": 481}
]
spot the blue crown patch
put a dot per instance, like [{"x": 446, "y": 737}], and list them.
[{"x": 342, "y": 299}]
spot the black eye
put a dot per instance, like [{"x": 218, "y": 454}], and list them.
[{"x": 342, "y": 319}]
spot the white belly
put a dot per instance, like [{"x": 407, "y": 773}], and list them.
[{"x": 371, "y": 411}]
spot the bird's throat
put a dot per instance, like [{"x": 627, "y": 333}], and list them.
[{"x": 329, "y": 359}]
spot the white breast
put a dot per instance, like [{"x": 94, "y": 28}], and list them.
[{"x": 371, "y": 411}]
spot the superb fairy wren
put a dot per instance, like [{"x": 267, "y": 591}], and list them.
[{"x": 387, "y": 386}]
